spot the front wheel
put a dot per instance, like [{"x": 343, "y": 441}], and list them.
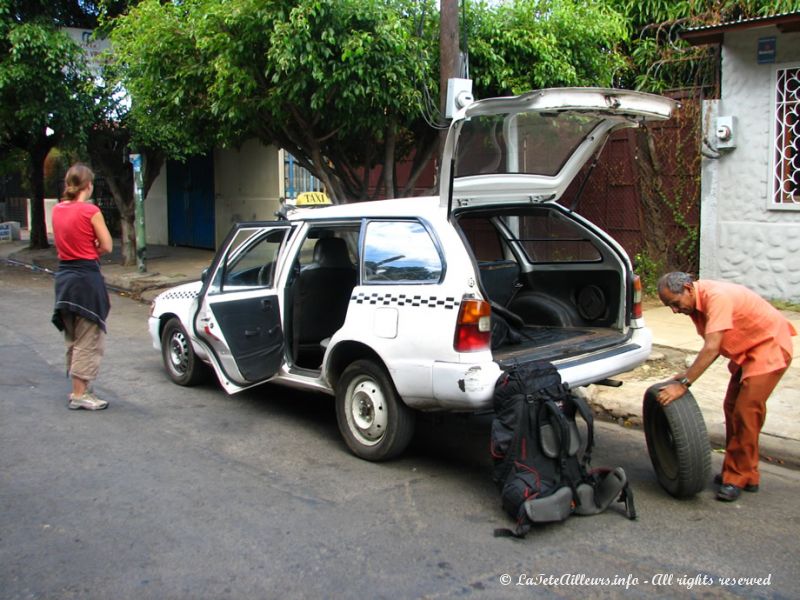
[
  {"x": 677, "y": 441},
  {"x": 180, "y": 361},
  {"x": 374, "y": 422}
]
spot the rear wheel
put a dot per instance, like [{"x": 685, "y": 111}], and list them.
[
  {"x": 180, "y": 361},
  {"x": 374, "y": 422},
  {"x": 677, "y": 441}
]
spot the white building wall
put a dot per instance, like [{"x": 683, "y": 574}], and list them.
[
  {"x": 742, "y": 238},
  {"x": 247, "y": 187},
  {"x": 247, "y": 184},
  {"x": 155, "y": 211}
]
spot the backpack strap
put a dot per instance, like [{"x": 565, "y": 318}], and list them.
[
  {"x": 588, "y": 416},
  {"x": 605, "y": 486},
  {"x": 564, "y": 437}
]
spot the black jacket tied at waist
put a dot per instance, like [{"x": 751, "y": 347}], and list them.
[{"x": 81, "y": 289}]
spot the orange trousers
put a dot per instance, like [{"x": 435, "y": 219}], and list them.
[{"x": 745, "y": 409}]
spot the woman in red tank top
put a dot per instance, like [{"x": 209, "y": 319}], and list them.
[{"x": 82, "y": 304}]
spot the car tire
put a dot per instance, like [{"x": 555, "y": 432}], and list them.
[
  {"x": 373, "y": 420},
  {"x": 677, "y": 441},
  {"x": 180, "y": 361}
]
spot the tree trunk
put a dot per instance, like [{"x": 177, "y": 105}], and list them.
[
  {"x": 38, "y": 225},
  {"x": 120, "y": 183},
  {"x": 389, "y": 158}
]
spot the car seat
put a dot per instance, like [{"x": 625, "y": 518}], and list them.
[{"x": 320, "y": 298}]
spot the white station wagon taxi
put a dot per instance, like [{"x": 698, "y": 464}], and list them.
[{"x": 418, "y": 304}]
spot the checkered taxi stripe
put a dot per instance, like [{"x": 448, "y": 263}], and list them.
[
  {"x": 393, "y": 299},
  {"x": 179, "y": 295}
]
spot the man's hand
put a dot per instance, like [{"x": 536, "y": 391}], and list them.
[{"x": 670, "y": 392}]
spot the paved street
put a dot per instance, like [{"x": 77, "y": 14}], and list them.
[{"x": 188, "y": 493}]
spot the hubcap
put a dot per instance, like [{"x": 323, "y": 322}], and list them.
[
  {"x": 367, "y": 412},
  {"x": 178, "y": 352}
]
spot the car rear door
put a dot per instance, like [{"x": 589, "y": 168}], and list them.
[{"x": 239, "y": 315}]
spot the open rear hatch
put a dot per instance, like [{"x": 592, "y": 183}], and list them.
[{"x": 529, "y": 148}]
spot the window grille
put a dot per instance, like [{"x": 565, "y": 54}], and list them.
[
  {"x": 786, "y": 189},
  {"x": 297, "y": 179}
]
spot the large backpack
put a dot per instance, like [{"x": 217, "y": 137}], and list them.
[{"x": 536, "y": 448}]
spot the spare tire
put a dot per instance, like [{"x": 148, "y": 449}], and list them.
[{"x": 677, "y": 441}]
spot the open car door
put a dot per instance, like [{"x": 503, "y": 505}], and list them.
[{"x": 239, "y": 315}]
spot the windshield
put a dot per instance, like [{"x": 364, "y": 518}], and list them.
[{"x": 535, "y": 143}]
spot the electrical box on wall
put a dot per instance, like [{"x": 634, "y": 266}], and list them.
[
  {"x": 726, "y": 133},
  {"x": 459, "y": 95}
]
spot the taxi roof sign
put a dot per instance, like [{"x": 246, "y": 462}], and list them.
[{"x": 312, "y": 199}]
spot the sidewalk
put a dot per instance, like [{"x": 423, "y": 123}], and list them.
[
  {"x": 675, "y": 339},
  {"x": 167, "y": 266}
]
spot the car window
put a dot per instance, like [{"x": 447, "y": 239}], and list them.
[
  {"x": 400, "y": 252},
  {"x": 529, "y": 143},
  {"x": 309, "y": 250},
  {"x": 549, "y": 237},
  {"x": 251, "y": 260},
  {"x": 483, "y": 238}
]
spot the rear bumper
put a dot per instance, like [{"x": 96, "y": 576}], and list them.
[
  {"x": 465, "y": 387},
  {"x": 594, "y": 367}
]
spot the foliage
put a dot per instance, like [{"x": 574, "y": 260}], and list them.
[
  {"x": 156, "y": 59},
  {"x": 523, "y": 44},
  {"x": 329, "y": 81},
  {"x": 339, "y": 84},
  {"x": 660, "y": 60},
  {"x": 786, "y": 305},
  {"x": 44, "y": 96},
  {"x": 42, "y": 83},
  {"x": 649, "y": 269}
]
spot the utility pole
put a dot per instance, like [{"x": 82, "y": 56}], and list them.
[
  {"x": 449, "y": 55},
  {"x": 138, "y": 197}
]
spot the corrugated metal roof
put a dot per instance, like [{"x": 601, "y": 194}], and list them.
[
  {"x": 714, "y": 34},
  {"x": 753, "y": 21}
]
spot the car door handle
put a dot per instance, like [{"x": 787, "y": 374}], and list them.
[
  {"x": 266, "y": 304},
  {"x": 252, "y": 332}
]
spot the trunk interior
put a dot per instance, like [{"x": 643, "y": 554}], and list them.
[{"x": 555, "y": 284}]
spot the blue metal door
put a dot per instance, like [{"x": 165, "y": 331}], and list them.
[{"x": 190, "y": 202}]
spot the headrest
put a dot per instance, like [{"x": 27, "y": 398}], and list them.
[{"x": 332, "y": 253}]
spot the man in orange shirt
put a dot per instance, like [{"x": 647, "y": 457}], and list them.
[{"x": 738, "y": 324}]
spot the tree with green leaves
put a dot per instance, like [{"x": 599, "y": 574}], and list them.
[
  {"x": 45, "y": 98},
  {"x": 345, "y": 85},
  {"x": 334, "y": 83},
  {"x": 521, "y": 45},
  {"x": 660, "y": 61}
]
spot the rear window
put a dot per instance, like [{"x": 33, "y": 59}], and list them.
[
  {"x": 544, "y": 236},
  {"x": 526, "y": 143},
  {"x": 549, "y": 237}
]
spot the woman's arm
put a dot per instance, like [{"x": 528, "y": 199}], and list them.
[{"x": 104, "y": 242}]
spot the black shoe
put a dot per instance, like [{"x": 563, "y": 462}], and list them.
[
  {"x": 750, "y": 487},
  {"x": 728, "y": 493}
]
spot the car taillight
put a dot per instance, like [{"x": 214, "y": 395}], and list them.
[
  {"x": 636, "y": 311},
  {"x": 474, "y": 326}
]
